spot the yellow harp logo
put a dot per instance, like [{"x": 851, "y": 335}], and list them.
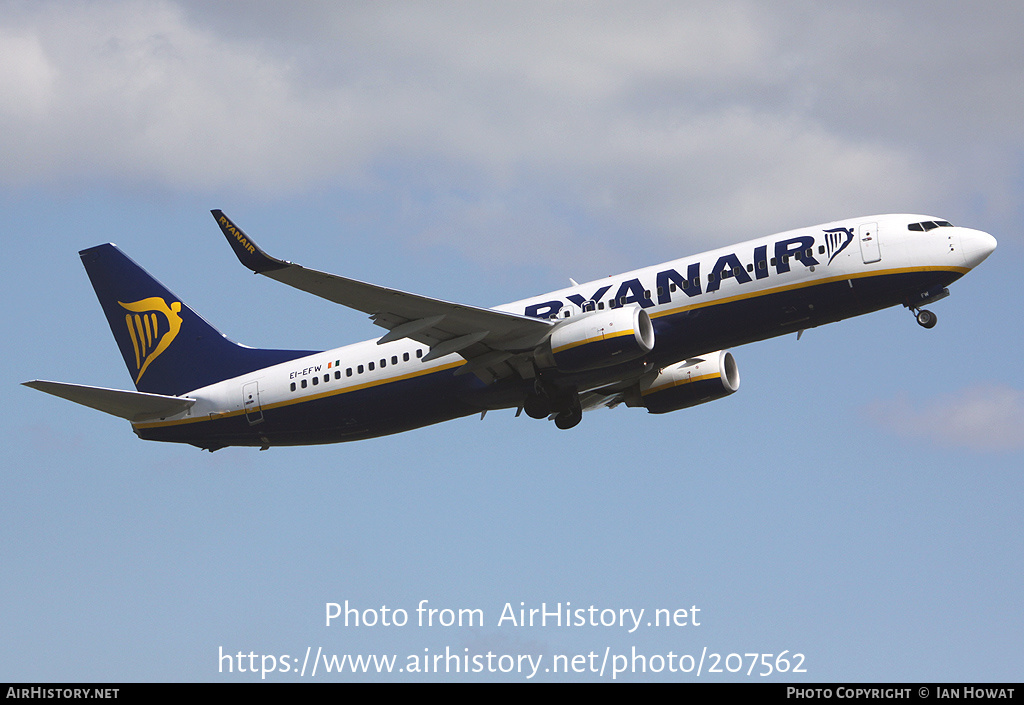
[{"x": 152, "y": 326}]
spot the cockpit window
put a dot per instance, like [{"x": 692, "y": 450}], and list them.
[{"x": 929, "y": 225}]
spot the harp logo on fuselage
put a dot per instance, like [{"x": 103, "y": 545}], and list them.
[
  {"x": 836, "y": 241},
  {"x": 152, "y": 326}
]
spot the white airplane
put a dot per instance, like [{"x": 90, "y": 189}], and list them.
[{"x": 652, "y": 338}]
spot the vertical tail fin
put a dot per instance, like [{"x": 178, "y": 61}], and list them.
[{"x": 167, "y": 347}]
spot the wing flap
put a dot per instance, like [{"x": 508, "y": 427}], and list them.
[{"x": 407, "y": 329}]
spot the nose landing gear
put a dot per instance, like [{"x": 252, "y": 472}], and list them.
[{"x": 926, "y": 319}]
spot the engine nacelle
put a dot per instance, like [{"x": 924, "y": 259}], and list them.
[
  {"x": 597, "y": 339},
  {"x": 688, "y": 383}
]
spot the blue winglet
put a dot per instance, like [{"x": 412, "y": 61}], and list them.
[{"x": 245, "y": 249}]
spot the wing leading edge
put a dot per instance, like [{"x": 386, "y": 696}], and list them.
[{"x": 495, "y": 344}]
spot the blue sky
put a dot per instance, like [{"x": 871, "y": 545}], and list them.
[{"x": 857, "y": 501}]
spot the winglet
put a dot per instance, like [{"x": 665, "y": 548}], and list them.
[{"x": 245, "y": 249}]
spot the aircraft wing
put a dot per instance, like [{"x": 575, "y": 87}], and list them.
[
  {"x": 134, "y": 406},
  {"x": 494, "y": 343}
]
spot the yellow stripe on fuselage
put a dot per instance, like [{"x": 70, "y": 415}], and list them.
[
  {"x": 802, "y": 285},
  {"x": 300, "y": 400},
  {"x": 715, "y": 301}
]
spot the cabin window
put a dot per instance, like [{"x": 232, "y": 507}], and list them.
[
  {"x": 304, "y": 385},
  {"x": 405, "y": 357},
  {"x": 369, "y": 366},
  {"x": 348, "y": 372},
  {"x": 327, "y": 378},
  {"x": 316, "y": 381},
  {"x": 419, "y": 352},
  {"x": 383, "y": 363},
  {"x": 293, "y": 386},
  {"x": 360, "y": 369},
  {"x": 821, "y": 249}
]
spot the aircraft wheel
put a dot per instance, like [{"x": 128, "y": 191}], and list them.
[
  {"x": 567, "y": 419},
  {"x": 537, "y": 406},
  {"x": 927, "y": 319}
]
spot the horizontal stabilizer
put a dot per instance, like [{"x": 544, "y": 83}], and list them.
[{"x": 134, "y": 406}]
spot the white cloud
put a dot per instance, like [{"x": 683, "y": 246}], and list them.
[
  {"x": 136, "y": 92},
  {"x": 693, "y": 122},
  {"x": 26, "y": 82},
  {"x": 985, "y": 418}
]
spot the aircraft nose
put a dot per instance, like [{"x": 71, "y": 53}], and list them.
[{"x": 977, "y": 245}]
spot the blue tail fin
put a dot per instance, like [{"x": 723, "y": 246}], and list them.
[{"x": 168, "y": 348}]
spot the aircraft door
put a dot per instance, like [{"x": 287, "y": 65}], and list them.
[
  {"x": 869, "y": 247},
  {"x": 251, "y": 403}
]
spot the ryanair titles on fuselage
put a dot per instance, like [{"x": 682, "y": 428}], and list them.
[{"x": 691, "y": 283}]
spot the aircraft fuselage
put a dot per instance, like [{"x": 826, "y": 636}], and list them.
[{"x": 720, "y": 299}]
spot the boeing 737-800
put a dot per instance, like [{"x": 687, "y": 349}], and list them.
[{"x": 654, "y": 338}]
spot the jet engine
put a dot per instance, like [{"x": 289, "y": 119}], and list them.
[
  {"x": 688, "y": 383},
  {"x": 597, "y": 339}
]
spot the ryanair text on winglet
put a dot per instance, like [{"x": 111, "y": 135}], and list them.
[{"x": 242, "y": 240}]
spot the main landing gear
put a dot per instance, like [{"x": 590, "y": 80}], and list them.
[
  {"x": 562, "y": 405},
  {"x": 570, "y": 417}
]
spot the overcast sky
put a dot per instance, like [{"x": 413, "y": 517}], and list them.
[{"x": 857, "y": 501}]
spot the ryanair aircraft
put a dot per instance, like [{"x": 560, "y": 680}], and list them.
[{"x": 652, "y": 338}]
